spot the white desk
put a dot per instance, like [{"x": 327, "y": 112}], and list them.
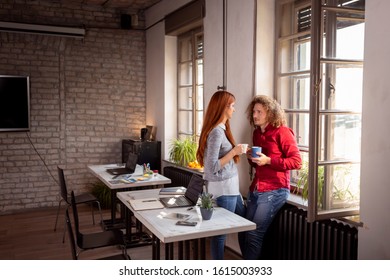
[
  {"x": 222, "y": 221},
  {"x": 108, "y": 179}
]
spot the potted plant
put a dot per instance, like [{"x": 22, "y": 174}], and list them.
[
  {"x": 183, "y": 151},
  {"x": 206, "y": 205},
  {"x": 103, "y": 194},
  {"x": 303, "y": 182}
]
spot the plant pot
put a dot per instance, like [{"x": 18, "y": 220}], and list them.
[{"x": 206, "y": 213}]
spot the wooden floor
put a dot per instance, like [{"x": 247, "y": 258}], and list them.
[{"x": 30, "y": 236}]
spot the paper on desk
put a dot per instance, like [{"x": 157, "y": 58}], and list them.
[{"x": 145, "y": 204}]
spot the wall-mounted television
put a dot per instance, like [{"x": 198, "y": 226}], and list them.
[{"x": 14, "y": 103}]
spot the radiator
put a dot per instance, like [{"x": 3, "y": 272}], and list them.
[
  {"x": 179, "y": 177},
  {"x": 292, "y": 237}
]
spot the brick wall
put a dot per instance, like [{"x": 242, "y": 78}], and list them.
[{"x": 86, "y": 96}]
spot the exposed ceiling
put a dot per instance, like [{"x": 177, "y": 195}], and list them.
[{"x": 118, "y": 4}]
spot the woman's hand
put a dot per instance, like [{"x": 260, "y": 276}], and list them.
[{"x": 237, "y": 150}]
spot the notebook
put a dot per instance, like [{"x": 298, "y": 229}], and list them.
[
  {"x": 190, "y": 197},
  {"x": 129, "y": 168},
  {"x": 145, "y": 204}
]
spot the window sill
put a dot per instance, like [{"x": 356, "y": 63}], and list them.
[
  {"x": 297, "y": 201},
  {"x": 169, "y": 163}
]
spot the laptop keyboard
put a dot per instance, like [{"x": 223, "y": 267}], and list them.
[{"x": 181, "y": 202}]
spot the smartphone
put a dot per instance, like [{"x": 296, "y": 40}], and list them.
[{"x": 186, "y": 223}]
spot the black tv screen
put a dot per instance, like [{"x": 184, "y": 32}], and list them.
[{"x": 14, "y": 103}]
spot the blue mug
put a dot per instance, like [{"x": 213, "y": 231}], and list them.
[{"x": 256, "y": 150}]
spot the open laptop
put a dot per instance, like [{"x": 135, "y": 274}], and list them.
[
  {"x": 129, "y": 168},
  {"x": 190, "y": 197}
]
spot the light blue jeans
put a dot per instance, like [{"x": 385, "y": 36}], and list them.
[
  {"x": 217, "y": 243},
  {"x": 261, "y": 209}
]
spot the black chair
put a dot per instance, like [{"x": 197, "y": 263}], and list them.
[
  {"x": 88, "y": 241},
  {"x": 80, "y": 198}
]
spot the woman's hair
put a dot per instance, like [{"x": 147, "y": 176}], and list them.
[
  {"x": 275, "y": 113},
  {"x": 213, "y": 117}
]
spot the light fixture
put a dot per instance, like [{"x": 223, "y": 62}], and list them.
[{"x": 41, "y": 29}]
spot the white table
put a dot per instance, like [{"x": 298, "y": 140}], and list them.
[
  {"x": 116, "y": 186},
  {"x": 222, "y": 221}
]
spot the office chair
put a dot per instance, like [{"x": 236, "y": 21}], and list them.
[
  {"x": 88, "y": 241},
  {"x": 80, "y": 198}
]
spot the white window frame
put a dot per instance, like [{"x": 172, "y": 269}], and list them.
[
  {"x": 319, "y": 136},
  {"x": 190, "y": 80}
]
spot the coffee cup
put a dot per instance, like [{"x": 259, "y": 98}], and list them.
[
  {"x": 255, "y": 150},
  {"x": 244, "y": 148}
]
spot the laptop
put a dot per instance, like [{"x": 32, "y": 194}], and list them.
[
  {"x": 129, "y": 168},
  {"x": 190, "y": 197}
]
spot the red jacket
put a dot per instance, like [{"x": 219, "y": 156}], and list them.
[{"x": 281, "y": 146}]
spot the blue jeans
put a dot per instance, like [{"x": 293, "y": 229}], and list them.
[
  {"x": 217, "y": 243},
  {"x": 261, "y": 209}
]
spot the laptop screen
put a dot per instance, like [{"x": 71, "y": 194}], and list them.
[
  {"x": 131, "y": 162},
  {"x": 194, "y": 188}
]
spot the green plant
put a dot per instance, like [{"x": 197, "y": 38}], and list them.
[
  {"x": 340, "y": 184},
  {"x": 206, "y": 201},
  {"x": 103, "y": 194},
  {"x": 183, "y": 151},
  {"x": 303, "y": 183}
]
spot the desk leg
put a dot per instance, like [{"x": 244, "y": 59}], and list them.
[
  {"x": 202, "y": 242},
  {"x": 187, "y": 250},
  {"x": 195, "y": 251},
  {"x": 113, "y": 206},
  {"x": 113, "y": 222},
  {"x": 180, "y": 249},
  {"x": 169, "y": 251},
  {"x": 128, "y": 216},
  {"x": 155, "y": 248}
]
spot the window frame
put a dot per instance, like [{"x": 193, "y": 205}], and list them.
[
  {"x": 197, "y": 96},
  {"x": 314, "y": 112}
]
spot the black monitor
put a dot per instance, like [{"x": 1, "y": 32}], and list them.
[{"x": 14, "y": 103}]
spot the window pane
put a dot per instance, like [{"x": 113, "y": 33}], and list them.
[
  {"x": 350, "y": 41},
  {"x": 349, "y": 88},
  {"x": 344, "y": 186},
  {"x": 185, "y": 98},
  {"x": 199, "y": 122},
  {"x": 300, "y": 124},
  {"x": 185, "y": 73},
  {"x": 345, "y": 90},
  {"x": 185, "y": 49},
  {"x": 343, "y": 135},
  {"x": 295, "y": 55},
  {"x": 199, "y": 69},
  {"x": 303, "y": 55},
  {"x": 185, "y": 122},
  {"x": 295, "y": 92},
  {"x": 349, "y": 38},
  {"x": 199, "y": 98}
]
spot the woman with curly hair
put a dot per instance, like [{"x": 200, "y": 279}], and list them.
[{"x": 270, "y": 186}]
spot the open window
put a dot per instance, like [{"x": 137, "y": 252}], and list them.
[{"x": 319, "y": 83}]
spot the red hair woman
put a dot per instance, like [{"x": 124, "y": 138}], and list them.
[{"x": 219, "y": 155}]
